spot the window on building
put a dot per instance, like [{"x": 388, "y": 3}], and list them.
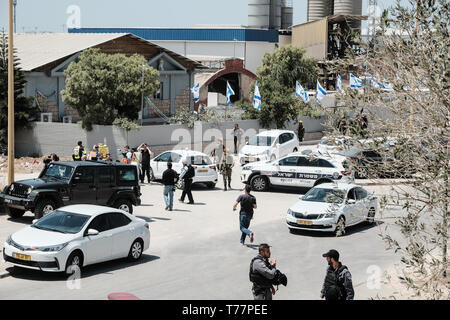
[{"x": 158, "y": 95}]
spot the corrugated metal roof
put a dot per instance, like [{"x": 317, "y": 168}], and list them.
[
  {"x": 38, "y": 49},
  {"x": 191, "y": 34}
]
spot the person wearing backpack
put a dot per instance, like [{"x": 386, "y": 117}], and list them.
[
  {"x": 187, "y": 174},
  {"x": 338, "y": 280}
]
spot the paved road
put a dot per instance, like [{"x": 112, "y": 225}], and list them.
[{"x": 195, "y": 253}]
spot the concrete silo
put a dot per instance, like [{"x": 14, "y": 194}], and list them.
[
  {"x": 275, "y": 14},
  {"x": 346, "y": 7},
  {"x": 258, "y": 14}
]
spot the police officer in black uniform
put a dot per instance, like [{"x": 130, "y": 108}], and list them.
[
  {"x": 262, "y": 274},
  {"x": 338, "y": 280}
]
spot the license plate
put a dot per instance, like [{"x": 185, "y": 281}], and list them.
[
  {"x": 202, "y": 171},
  {"x": 249, "y": 159},
  {"x": 303, "y": 222},
  {"x": 21, "y": 256}
]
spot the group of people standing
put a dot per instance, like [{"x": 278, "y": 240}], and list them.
[{"x": 139, "y": 157}]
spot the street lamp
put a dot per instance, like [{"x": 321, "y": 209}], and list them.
[{"x": 15, "y": 11}]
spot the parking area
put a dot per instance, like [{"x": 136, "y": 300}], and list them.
[{"x": 195, "y": 252}]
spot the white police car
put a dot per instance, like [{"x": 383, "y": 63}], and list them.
[
  {"x": 296, "y": 170},
  {"x": 332, "y": 207}
]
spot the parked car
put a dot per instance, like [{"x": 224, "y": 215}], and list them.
[
  {"x": 78, "y": 182},
  {"x": 376, "y": 164},
  {"x": 333, "y": 207},
  {"x": 296, "y": 170},
  {"x": 77, "y": 235},
  {"x": 330, "y": 145},
  {"x": 268, "y": 146},
  {"x": 205, "y": 169}
]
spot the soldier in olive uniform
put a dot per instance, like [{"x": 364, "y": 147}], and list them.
[{"x": 226, "y": 168}]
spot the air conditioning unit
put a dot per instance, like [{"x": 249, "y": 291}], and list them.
[
  {"x": 47, "y": 117},
  {"x": 67, "y": 119}
]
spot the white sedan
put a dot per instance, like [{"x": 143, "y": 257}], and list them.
[
  {"x": 77, "y": 236},
  {"x": 205, "y": 170},
  {"x": 269, "y": 145},
  {"x": 333, "y": 207}
]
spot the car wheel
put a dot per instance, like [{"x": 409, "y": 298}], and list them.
[
  {"x": 14, "y": 213},
  {"x": 44, "y": 207},
  {"x": 259, "y": 183},
  {"x": 371, "y": 216},
  {"x": 151, "y": 174},
  {"x": 361, "y": 173},
  {"x": 211, "y": 185},
  {"x": 340, "y": 227},
  {"x": 125, "y": 205},
  {"x": 75, "y": 260},
  {"x": 136, "y": 250}
]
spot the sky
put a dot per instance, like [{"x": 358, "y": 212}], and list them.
[{"x": 52, "y": 16}]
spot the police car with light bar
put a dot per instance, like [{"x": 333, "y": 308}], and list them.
[{"x": 296, "y": 170}]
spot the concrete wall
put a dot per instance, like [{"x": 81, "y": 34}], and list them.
[
  {"x": 61, "y": 138},
  {"x": 313, "y": 37}
]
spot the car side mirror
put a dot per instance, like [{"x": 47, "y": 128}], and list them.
[
  {"x": 92, "y": 232},
  {"x": 351, "y": 201}
]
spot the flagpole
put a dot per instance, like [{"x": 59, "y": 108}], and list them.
[{"x": 10, "y": 96}]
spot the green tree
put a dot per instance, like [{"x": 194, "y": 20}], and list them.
[
  {"x": 277, "y": 77},
  {"x": 24, "y": 110},
  {"x": 103, "y": 87}
]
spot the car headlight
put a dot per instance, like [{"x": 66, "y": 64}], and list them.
[
  {"x": 29, "y": 190},
  {"x": 11, "y": 187},
  {"x": 9, "y": 241},
  {"x": 290, "y": 212},
  {"x": 58, "y": 247},
  {"x": 328, "y": 215},
  {"x": 247, "y": 168}
]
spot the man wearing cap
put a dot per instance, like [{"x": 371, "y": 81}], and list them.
[
  {"x": 262, "y": 273},
  {"x": 300, "y": 131},
  {"x": 338, "y": 280}
]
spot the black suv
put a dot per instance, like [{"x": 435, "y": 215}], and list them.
[{"x": 79, "y": 182}]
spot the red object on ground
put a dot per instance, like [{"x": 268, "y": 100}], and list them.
[{"x": 122, "y": 296}]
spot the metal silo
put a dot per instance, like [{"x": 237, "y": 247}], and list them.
[
  {"x": 258, "y": 14},
  {"x": 287, "y": 14},
  {"x": 347, "y": 7},
  {"x": 318, "y": 9},
  {"x": 275, "y": 14}
]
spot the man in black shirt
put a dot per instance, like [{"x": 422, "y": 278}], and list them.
[
  {"x": 145, "y": 164},
  {"x": 169, "y": 179},
  {"x": 248, "y": 203}
]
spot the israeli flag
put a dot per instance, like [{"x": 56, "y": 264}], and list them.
[
  {"x": 320, "y": 93},
  {"x": 339, "y": 83},
  {"x": 230, "y": 93},
  {"x": 386, "y": 86},
  {"x": 257, "y": 98},
  {"x": 196, "y": 92},
  {"x": 300, "y": 92},
  {"x": 355, "y": 82},
  {"x": 373, "y": 82}
]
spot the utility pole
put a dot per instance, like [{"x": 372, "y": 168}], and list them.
[{"x": 10, "y": 96}]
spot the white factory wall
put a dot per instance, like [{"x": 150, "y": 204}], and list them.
[{"x": 252, "y": 51}]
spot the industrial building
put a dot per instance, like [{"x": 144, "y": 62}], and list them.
[
  {"x": 231, "y": 54},
  {"x": 329, "y": 32}
]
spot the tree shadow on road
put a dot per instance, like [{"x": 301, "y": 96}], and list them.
[
  {"x": 23, "y": 220},
  {"x": 88, "y": 271}
]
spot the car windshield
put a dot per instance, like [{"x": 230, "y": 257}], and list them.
[
  {"x": 324, "y": 195},
  {"x": 261, "y": 141},
  {"x": 58, "y": 171},
  {"x": 62, "y": 221}
]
